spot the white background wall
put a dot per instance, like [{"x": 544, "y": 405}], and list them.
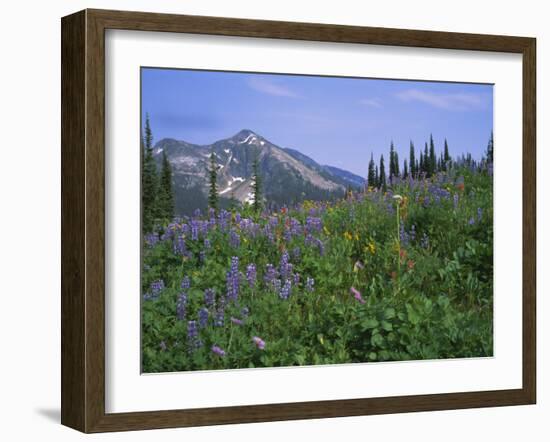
[{"x": 30, "y": 217}]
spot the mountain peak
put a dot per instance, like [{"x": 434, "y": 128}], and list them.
[
  {"x": 247, "y": 136},
  {"x": 243, "y": 133}
]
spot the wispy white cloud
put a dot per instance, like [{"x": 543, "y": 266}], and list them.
[
  {"x": 453, "y": 102},
  {"x": 270, "y": 87},
  {"x": 371, "y": 102}
]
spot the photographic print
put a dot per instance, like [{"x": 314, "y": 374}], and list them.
[{"x": 299, "y": 220}]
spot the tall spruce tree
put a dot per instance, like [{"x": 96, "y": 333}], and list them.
[
  {"x": 433, "y": 160},
  {"x": 490, "y": 147},
  {"x": 382, "y": 171},
  {"x": 412, "y": 161},
  {"x": 165, "y": 194},
  {"x": 257, "y": 186},
  {"x": 149, "y": 182},
  {"x": 376, "y": 177},
  {"x": 392, "y": 172},
  {"x": 371, "y": 178},
  {"x": 213, "y": 182},
  {"x": 405, "y": 169},
  {"x": 446, "y": 156}
]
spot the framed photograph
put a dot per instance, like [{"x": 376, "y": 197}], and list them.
[{"x": 267, "y": 220}]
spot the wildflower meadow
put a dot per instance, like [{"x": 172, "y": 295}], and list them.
[{"x": 399, "y": 271}]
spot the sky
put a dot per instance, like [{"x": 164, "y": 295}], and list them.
[{"x": 336, "y": 121}]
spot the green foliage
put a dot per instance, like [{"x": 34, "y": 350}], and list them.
[
  {"x": 439, "y": 306},
  {"x": 165, "y": 195},
  {"x": 382, "y": 177}
]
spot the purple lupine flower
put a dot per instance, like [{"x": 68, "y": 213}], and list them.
[
  {"x": 284, "y": 293},
  {"x": 258, "y": 342},
  {"x": 296, "y": 278},
  {"x": 270, "y": 273},
  {"x": 185, "y": 283},
  {"x": 310, "y": 284},
  {"x": 234, "y": 239},
  {"x": 197, "y": 213},
  {"x": 193, "y": 339},
  {"x": 455, "y": 200},
  {"x": 179, "y": 246},
  {"x": 412, "y": 233},
  {"x": 194, "y": 230},
  {"x": 313, "y": 224},
  {"x": 233, "y": 279},
  {"x": 277, "y": 285},
  {"x": 284, "y": 265},
  {"x": 203, "y": 317},
  {"x": 471, "y": 221},
  {"x": 296, "y": 253},
  {"x": 217, "y": 350},
  {"x": 251, "y": 274},
  {"x": 479, "y": 213},
  {"x": 156, "y": 288},
  {"x": 219, "y": 318},
  {"x": 237, "y": 321},
  {"x": 209, "y": 297},
  {"x": 357, "y": 295},
  {"x": 321, "y": 247},
  {"x": 181, "y": 306},
  {"x": 207, "y": 244},
  {"x": 151, "y": 239}
]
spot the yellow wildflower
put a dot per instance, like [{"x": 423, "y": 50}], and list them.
[
  {"x": 348, "y": 236},
  {"x": 372, "y": 247},
  {"x": 327, "y": 231}
]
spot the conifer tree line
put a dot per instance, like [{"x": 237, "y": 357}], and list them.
[
  {"x": 157, "y": 193},
  {"x": 425, "y": 165}
]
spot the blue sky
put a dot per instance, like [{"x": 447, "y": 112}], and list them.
[{"x": 336, "y": 121}]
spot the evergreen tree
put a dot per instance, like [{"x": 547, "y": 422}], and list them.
[
  {"x": 433, "y": 161},
  {"x": 165, "y": 194},
  {"x": 257, "y": 186},
  {"x": 446, "y": 156},
  {"x": 382, "y": 172},
  {"x": 149, "y": 182},
  {"x": 405, "y": 169},
  {"x": 421, "y": 168},
  {"x": 392, "y": 162},
  {"x": 412, "y": 161},
  {"x": 213, "y": 182},
  {"x": 490, "y": 146},
  {"x": 371, "y": 178},
  {"x": 376, "y": 177}
]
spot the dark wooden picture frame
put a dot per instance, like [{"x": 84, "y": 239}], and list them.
[{"x": 83, "y": 220}]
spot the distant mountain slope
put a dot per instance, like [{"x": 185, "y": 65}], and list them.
[
  {"x": 288, "y": 175},
  {"x": 350, "y": 178}
]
